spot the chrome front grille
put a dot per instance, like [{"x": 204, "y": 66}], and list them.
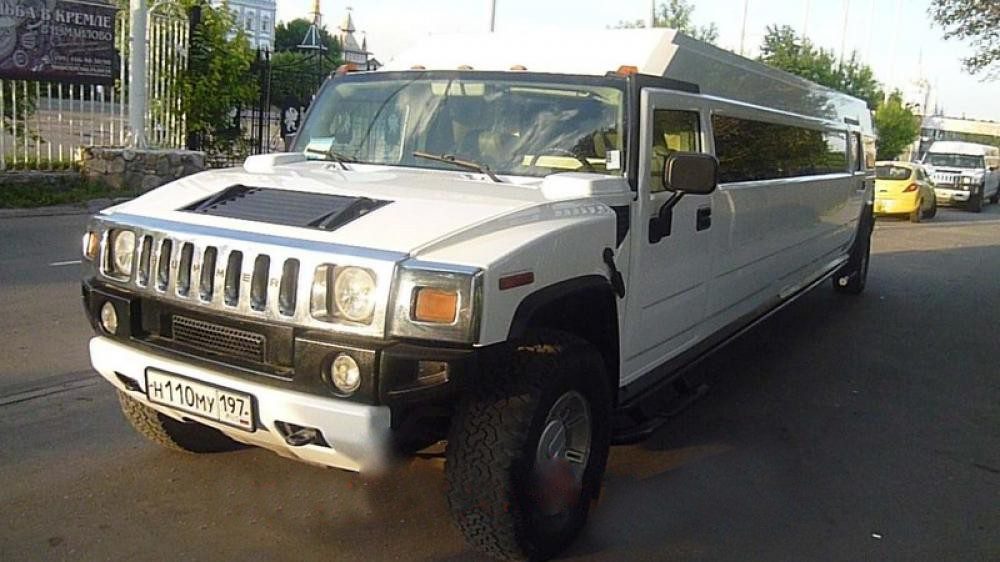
[
  {"x": 220, "y": 340},
  {"x": 945, "y": 180},
  {"x": 253, "y": 275}
]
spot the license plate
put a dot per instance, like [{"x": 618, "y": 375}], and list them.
[{"x": 208, "y": 401}]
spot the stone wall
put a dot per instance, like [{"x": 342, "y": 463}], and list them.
[{"x": 142, "y": 170}]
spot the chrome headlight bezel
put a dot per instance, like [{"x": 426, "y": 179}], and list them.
[
  {"x": 325, "y": 302},
  {"x": 415, "y": 275},
  {"x": 120, "y": 247}
]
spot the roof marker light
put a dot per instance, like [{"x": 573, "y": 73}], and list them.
[
  {"x": 465, "y": 67},
  {"x": 626, "y": 70},
  {"x": 418, "y": 67},
  {"x": 345, "y": 68},
  {"x": 519, "y": 67}
]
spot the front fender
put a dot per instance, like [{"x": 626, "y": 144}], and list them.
[{"x": 556, "y": 242}]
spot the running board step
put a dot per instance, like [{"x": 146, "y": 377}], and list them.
[{"x": 632, "y": 434}]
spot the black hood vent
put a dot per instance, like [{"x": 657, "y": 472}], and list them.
[{"x": 288, "y": 208}]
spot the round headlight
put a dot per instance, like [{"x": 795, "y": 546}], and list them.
[
  {"x": 109, "y": 318},
  {"x": 123, "y": 251},
  {"x": 345, "y": 374},
  {"x": 354, "y": 294}
]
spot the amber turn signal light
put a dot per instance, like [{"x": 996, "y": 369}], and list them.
[
  {"x": 91, "y": 245},
  {"x": 435, "y": 306}
]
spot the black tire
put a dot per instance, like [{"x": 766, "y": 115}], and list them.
[
  {"x": 918, "y": 213},
  {"x": 856, "y": 268},
  {"x": 932, "y": 212},
  {"x": 995, "y": 198},
  {"x": 976, "y": 202},
  {"x": 172, "y": 434},
  {"x": 492, "y": 447}
]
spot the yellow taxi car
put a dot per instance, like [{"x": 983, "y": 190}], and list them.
[{"x": 904, "y": 189}]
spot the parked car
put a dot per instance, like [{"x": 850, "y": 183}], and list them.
[
  {"x": 523, "y": 262},
  {"x": 904, "y": 189},
  {"x": 964, "y": 173}
]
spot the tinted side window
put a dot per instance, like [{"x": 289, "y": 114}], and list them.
[
  {"x": 751, "y": 150},
  {"x": 673, "y": 131}
]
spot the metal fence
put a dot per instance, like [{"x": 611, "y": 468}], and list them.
[{"x": 45, "y": 124}]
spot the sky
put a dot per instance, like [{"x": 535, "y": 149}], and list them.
[{"x": 873, "y": 27}]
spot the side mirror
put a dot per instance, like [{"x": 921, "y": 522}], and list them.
[
  {"x": 684, "y": 173},
  {"x": 993, "y": 168},
  {"x": 691, "y": 172}
]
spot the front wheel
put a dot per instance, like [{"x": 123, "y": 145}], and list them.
[
  {"x": 995, "y": 198},
  {"x": 976, "y": 202},
  {"x": 167, "y": 432},
  {"x": 528, "y": 448}
]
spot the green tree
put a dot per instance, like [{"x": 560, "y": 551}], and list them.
[
  {"x": 974, "y": 20},
  {"x": 897, "y": 127},
  {"x": 298, "y": 76},
  {"x": 217, "y": 79},
  {"x": 289, "y": 35},
  {"x": 677, "y": 14},
  {"x": 896, "y": 124},
  {"x": 783, "y": 48}
]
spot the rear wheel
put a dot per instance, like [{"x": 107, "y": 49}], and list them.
[
  {"x": 172, "y": 434},
  {"x": 528, "y": 447},
  {"x": 932, "y": 212},
  {"x": 853, "y": 277},
  {"x": 995, "y": 198},
  {"x": 917, "y": 213}
]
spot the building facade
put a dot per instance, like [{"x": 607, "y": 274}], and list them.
[
  {"x": 256, "y": 18},
  {"x": 352, "y": 51}
]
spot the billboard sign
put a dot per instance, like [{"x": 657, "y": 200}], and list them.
[{"x": 58, "y": 41}]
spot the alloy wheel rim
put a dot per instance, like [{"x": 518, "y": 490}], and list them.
[{"x": 563, "y": 453}]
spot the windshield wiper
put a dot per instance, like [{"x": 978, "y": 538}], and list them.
[
  {"x": 331, "y": 154},
  {"x": 462, "y": 163}
]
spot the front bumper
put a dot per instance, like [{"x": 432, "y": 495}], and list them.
[
  {"x": 357, "y": 435},
  {"x": 946, "y": 196}
]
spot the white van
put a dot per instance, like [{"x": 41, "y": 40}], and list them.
[
  {"x": 517, "y": 243},
  {"x": 964, "y": 173}
]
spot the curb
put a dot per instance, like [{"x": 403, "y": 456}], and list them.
[{"x": 88, "y": 208}]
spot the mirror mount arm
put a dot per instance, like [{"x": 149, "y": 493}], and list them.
[{"x": 661, "y": 225}]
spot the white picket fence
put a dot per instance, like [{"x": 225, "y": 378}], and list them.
[{"x": 46, "y": 124}]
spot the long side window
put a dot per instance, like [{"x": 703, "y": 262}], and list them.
[
  {"x": 750, "y": 150},
  {"x": 673, "y": 131}
]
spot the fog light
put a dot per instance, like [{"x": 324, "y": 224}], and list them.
[
  {"x": 345, "y": 374},
  {"x": 109, "y": 318}
]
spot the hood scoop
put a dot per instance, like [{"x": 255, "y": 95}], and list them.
[{"x": 288, "y": 208}]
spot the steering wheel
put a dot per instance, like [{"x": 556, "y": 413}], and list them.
[{"x": 563, "y": 152}]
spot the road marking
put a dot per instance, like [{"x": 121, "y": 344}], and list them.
[
  {"x": 65, "y": 263},
  {"x": 48, "y": 390}
]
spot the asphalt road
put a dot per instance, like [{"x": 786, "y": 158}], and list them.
[{"x": 843, "y": 429}]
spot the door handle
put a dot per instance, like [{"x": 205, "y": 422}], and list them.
[{"x": 704, "y": 221}]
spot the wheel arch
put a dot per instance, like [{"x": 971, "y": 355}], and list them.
[{"x": 584, "y": 306}]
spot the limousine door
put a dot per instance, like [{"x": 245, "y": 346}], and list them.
[{"x": 670, "y": 267}]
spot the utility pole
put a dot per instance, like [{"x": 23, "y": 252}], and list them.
[
  {"x": 138, "y": 9},
  {"x": 493, "y": 15},
  {"x": 651, "y": 23},
  {"x": 843, "y": 34},
  {"x": 805, "y": 21},
  {"x": 743, "y": 32}
]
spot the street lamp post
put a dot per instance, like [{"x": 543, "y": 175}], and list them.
[
  {"x": 493, "y": 15},
  {"x": 139, "y": 10}
]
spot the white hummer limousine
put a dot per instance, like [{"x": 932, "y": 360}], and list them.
[
  {"x": 964, "y": 173},
  {"x": 493, "y": 241}
]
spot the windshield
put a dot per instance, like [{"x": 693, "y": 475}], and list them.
[
  {"x": 955, "y": 161},
  {"x": 892, "y": 173},
  {"x": 533, "y": 125}
]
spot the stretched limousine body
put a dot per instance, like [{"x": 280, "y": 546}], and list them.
[{"x": 493, "y": 240}]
